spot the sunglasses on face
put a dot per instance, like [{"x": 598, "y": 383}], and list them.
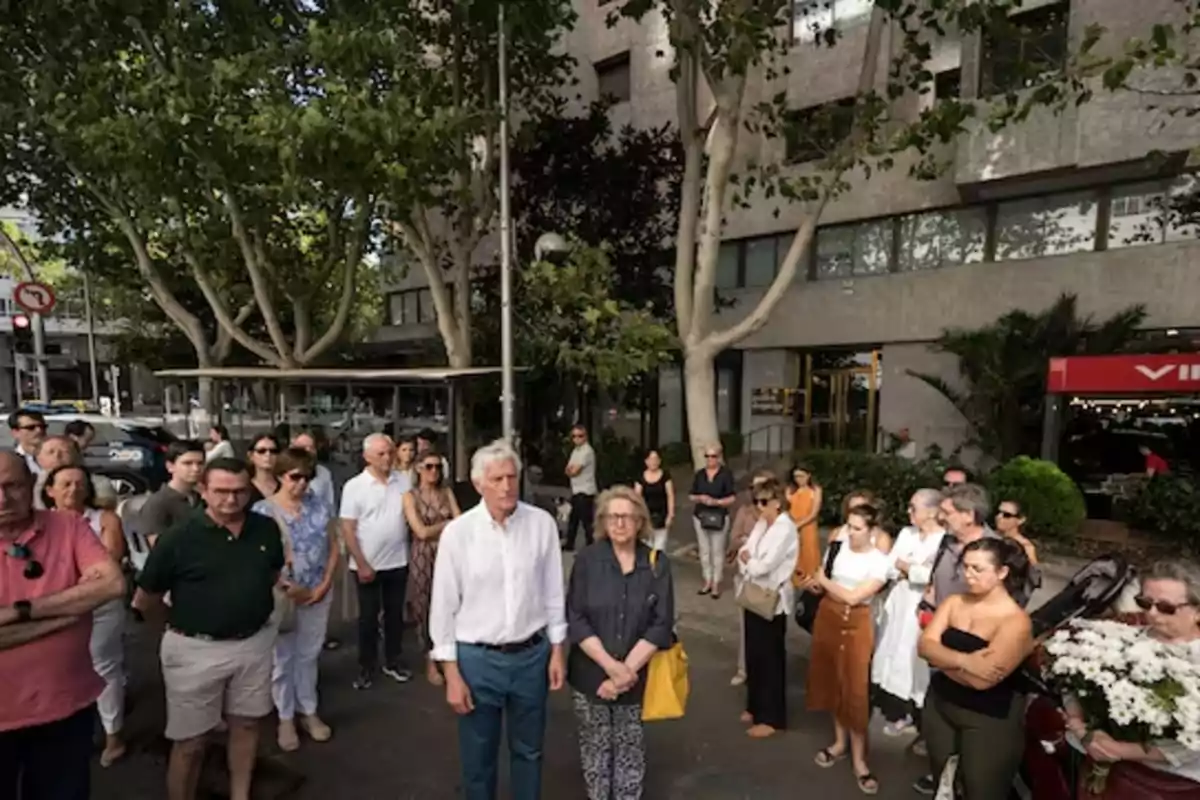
[
  {"x": 296, "y": 477},
  {"x": 711, "y": 455},
  {"x": 33, "y": 567},
  {"x": 1161, "y": 606},
  {"x": 431, "y": 467},
  {"x": 35, "y": 426},
  {"x": 1007, "y": 514},
  {"x": 762, "y": 502},
  {"x": 262, "y": 451}
]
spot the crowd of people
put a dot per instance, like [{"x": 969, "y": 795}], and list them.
[{"x": 925, "y": 625}]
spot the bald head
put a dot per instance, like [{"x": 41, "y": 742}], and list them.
[{"x": 16, "y": 495}]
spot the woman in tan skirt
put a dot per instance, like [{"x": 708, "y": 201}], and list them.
[{"x": 839, "y": 668}]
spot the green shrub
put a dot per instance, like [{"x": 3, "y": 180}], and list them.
[
  {"x": 618, "y": 460},
  {"x": 892, "y": 479},
  {"x": 1168, "y": 507},
  {"x": 675, "y": 454},
  {"x": 1051, "y": 502}
]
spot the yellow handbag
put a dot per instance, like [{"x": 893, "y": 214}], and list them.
[{"x": 667, "y": 684}]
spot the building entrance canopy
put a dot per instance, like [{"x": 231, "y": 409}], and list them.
[{"x": 1125, "y": 374}]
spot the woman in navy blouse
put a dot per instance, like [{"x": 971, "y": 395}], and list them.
[{"x": 620, "y": 612}]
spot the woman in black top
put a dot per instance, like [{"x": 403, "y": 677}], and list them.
[
  {"x": 713, "y": 494},
  {"x": 620, "y": 612},
  {"x": 974, "y": 643},
  {"x": 656, "y": 488},
  {"x": 261, "y": 461}
]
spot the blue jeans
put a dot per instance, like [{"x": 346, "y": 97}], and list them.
[{"x": 515, "y": 684}]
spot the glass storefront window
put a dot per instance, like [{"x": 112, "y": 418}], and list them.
[
  {"x": 1046, "y": 226},
  {"x": 939, "y": 239},
  {"x": 727, "y": 266},
  {"x": 849, "y": 250},
  {"x": 761, "y": 261}
]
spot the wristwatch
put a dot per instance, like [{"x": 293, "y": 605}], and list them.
[{"x": 24, "y": 610}]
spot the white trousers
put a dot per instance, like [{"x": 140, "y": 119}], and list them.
[
  {"x": 294, "y": 678},
  {"x": 108, "y": 659},
  {"x": 660, "y": 539},
  {"x": 712, "y": 551}
]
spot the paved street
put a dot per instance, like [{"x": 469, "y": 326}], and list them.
[{"x": 398, "y": 742}]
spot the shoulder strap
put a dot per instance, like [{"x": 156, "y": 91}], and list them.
[
  {"x": 943, "y": 547},
  {"x": 834, "y": 548}
]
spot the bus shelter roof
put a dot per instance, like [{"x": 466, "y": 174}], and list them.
[{"x": 319, "y": 375}]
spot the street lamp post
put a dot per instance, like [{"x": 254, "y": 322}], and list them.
[{"x": 506, "y": 246}]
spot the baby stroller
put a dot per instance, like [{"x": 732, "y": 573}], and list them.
[{"x": 1049, "y": 770}]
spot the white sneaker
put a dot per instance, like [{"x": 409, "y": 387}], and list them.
[{"x": 287, "y": 737}]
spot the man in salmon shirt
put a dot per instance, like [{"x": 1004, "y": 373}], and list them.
[{"x": 53, "y": 574}]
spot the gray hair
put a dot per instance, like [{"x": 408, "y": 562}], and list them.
[
  {"x": 494, "y": 453},
  {"x": 927, "y": 498},
  {"x": 374, "y": 438},
  {"x": 970, "y": 497},
  {"x": 1181, "y": 571}
]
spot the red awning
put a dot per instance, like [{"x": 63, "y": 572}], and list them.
[{"x": 1125, "y": 374}]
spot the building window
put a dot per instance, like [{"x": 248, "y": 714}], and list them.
[
  {"x": 937, "y": 239},
  {"x": 728, "y": 269},
  {"x": 613, "y": 78},
  {"x": 1031, "y": 46},
  {"x": 762, "y": 261},
  {"x": 1154, "y": 213},
  {"x": 811, "y": 18},
  {"x": 861, "y": 249},
  {"x": 1046, "y": 226},
  {"x": 813, "y": 133},
  {"x": 411, "y": 307},
  {"x": 947, "y": 84}
]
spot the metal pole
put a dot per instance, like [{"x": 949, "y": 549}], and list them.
[
  {"x": 39, "y": 353},
  {"x": 506, "y": 247},
  {"x": 91, "y": 338}
]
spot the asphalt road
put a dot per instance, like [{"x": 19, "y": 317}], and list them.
[{"x": 398, "y": 742}]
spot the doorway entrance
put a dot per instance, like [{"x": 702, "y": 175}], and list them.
[{"x": 841, "y": 396}]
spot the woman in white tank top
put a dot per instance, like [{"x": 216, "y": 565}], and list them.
[{"x": 68, "y": 490}]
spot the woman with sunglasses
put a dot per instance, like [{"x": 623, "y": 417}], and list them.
[
  {"x": 1010, "y": 523},
  {"x": 743, "y": 525},
  {"x": 767, "y": 561},
  {"x": 1169, "y": 597},
  {"x": 261, "y": 461},
  {"x": 975, "y": 642},
  {"x": 68, "y": 490},
  {"x": 305, "y": 520},
  {"x": 427, "y": 507},
  {"x": 712, "y": 493}
]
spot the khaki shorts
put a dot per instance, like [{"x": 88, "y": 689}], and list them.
[{"x": 206, "y": 680}]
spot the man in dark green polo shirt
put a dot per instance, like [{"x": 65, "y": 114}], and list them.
[{"x": 219, "y": 564}]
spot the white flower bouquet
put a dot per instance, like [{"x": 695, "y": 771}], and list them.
[{"x": 1132, "y": 687}]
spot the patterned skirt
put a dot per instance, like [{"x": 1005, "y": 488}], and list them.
[
  {"x": 422, "y": 555},
  {"x": 839, "y": 667}
]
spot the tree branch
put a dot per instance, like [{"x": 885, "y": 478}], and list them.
[
  {"x": 262, "y": 294},
  {"x": 224, "y": 342},
  {"x": 416, "y": 234},
  {"x": 364, "y": 210},
  {"x": 686, "y": 89}
]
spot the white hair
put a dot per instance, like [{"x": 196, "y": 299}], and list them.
[
  {"x": 375, "y": 438},
  {"x": 927, "y": 498},
  {"x": 494, "y": 453}
]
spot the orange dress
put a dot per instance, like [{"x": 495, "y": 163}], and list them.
[{"x": 802, "y": 505}]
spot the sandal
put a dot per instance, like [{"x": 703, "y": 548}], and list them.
[
  {"x": 825, "y": 759},
  {"x": 867, "y": 783}
]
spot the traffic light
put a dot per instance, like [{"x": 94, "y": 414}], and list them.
[{"x": 22, "y": 334}]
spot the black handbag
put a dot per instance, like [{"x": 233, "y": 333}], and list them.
[
  {"x": 807, "y": 603},
  {"x": 711, "y": 519}
]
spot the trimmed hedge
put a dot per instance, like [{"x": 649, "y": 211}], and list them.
[
  {"x": 891, "y": 478},
  {"x": 1051, "y": 502}
]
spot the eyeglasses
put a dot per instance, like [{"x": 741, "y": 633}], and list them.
[
  {"x": 431, "y": 467},
  {"x": 623, "y": 519},
  {"x": 762, "y": 502},
  {"x": 1161, "y": 606},
  {"x": 712, "y": 455},
  {"x": 262, "y": 451},
  {"x": 1007, "y": 514},
  {"x": 36, "y": 426},
  {"x": 33, "y": 567},
  {"x": 296, "y": 477}
]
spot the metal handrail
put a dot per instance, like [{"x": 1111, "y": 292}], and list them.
[{"x": 769, "y": 452}]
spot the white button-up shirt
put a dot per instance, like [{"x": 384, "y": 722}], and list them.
[
  {"x": 497, "y": 583},
  {"x": 377, "y": 509}
]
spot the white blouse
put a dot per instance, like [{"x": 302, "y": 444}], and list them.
[
  {"x": 772, "y": 561},
  {"x": 851, "y": 569}
]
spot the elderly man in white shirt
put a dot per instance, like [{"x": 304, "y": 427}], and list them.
[
  {"x": 376, "y": 536},
  {"x": 498, "y": 623}
]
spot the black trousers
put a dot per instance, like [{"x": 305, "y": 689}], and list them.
[
  {"x": 48, "y": 762},
  {"x": 766, "y": 665},
  {"x": 583, "y": 512},
  {"x": 385, "y": 593}
]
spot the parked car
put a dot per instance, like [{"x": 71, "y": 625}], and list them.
[{"x": 130, "y": 452}]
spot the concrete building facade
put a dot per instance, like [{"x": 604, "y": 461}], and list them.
[{"x": 1064, "y": 202}]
